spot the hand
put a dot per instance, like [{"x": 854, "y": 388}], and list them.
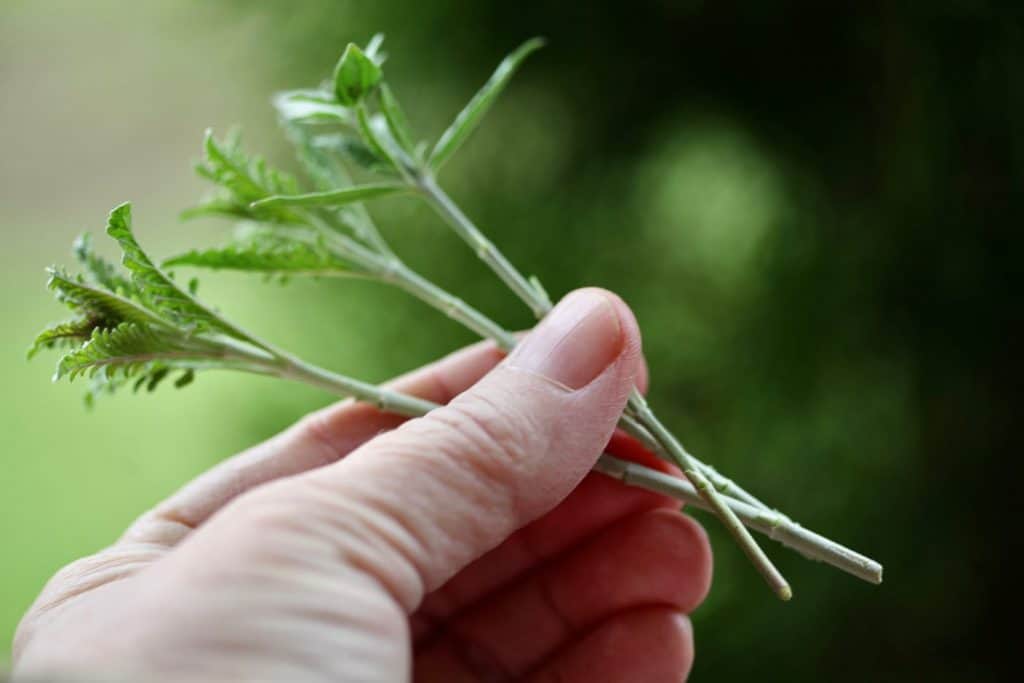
[{"x": 467, "y": 545}]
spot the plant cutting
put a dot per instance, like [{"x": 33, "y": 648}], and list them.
[{"x": 138, "y": 326}]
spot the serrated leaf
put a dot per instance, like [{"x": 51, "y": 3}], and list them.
[
  {"x": 146, "y": 330},
  {"x": 355, "y": 76},
  {"x": 68, "y": 333},
  {"x": 243, "y": 179},
  {"x": 98, "y": 303},
  {"x": 128, "y": 349},
  {"x": 154, "y": 288},
  {"x": 340, "y": 197},
  {"x": 102, "y": 271},
  {"x": 285, "y": 257},
  {"x": 471, "y": 115}
]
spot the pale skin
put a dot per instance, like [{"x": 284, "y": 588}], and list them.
[{"x": 467, "y": 545}]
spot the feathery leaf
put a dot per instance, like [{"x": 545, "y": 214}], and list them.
[
  {"x": 99, "y": 304},
  {"x": 155, "y": 289},
  {"x": 102, "y": 271},
  {"x": 242, "y": 179},
  {"x": 129, "y": 348},
  {"x": 281, "y": 257}
]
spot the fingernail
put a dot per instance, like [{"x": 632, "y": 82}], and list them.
[{"x": 575, "y": 342}]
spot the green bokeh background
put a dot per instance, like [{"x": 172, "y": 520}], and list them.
[{"x": 813, "y": 211}]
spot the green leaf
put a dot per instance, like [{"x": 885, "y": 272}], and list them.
[
  {"x": 469, "y": 118},
  {"x": 346, "y": 195},
  {"x": 397, "y": 123},
  {"x": 185, "y": 379},
  {"x": 355, "y": 76},
  {"x": 243, "y": 179},
  {"x": 351, "y": 149},
  {"x": 102, "y": 271},
  {"x": 67, "y": 333},
  {"x": 373, "y": 130},
  {"x": 129, "y": 349},
  {"x": 155, "y": 289},
  {"x": 144, "y": 357},
  {"x": 285, "y": 257},
  {"x": 311, "y": 106},
  {"x": 319, "y": 155},
  {"x": 146, "y": 329},
  {"x": 93, "y": 302}
]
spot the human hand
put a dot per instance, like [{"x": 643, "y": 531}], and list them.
[{"x": 467, "y": 545}]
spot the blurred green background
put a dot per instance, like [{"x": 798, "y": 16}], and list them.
[{"x": 811, "y": 208}]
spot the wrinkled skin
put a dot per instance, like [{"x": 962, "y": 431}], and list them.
[{"x": 468, "y": 545}]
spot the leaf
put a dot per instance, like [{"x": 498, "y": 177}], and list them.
[
  {"x": 142, "y": 356},
  {"x": 397, "y": 123},
  {"x": 96, "y": 303},
  {"x": 155, "y": 289},
  {"x": 315, "y": 153},
  {"x": 311, "y": 106},
  {"x": 373, "y": 130},
  {"x": 67, "y": 333},
  {"x": 469, "y": 118},
  {"x": 102, "y": 271},
  {"x": 143, "y": 331},
  {"x": 284, "y": 257},
  {"x": 354, "y": 150},
  {"x": 346, "y": 195},
  {"x": 319, "y": 155},
  {"x": 127, "y": 349},
  {"x": 355, "y": 76},
  {"x": 242, "y": 179}
]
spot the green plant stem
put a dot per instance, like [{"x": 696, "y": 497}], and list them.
[
  {"x": 400, "y": 275},
  {"x": 452, "y": 306},
  {"x": 485, "y": 250},
  {"x": 540, "y": 305},
  {"x": 716, "y": 502},
  {"x": 724, "y": 485},
  {"x": 387, "y": 401},
  {"x": 397, "y": 273},
  {"x": 775, "y": 526}
]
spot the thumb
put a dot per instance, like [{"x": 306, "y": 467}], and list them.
[{"x": 415, "y": 505}]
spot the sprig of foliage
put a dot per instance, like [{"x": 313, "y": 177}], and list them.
[
  {"x": 356, "y": 79},
  {"x": 139, "y": 326}
]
